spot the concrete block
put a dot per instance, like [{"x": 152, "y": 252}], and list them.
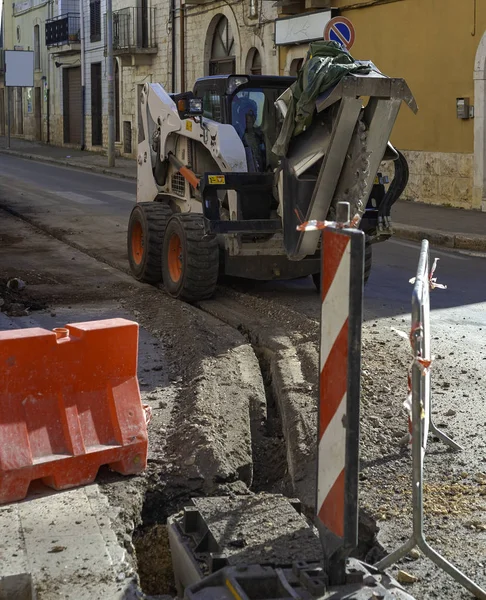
[
  {"x": 431, "y": 163},
  {"x": 449, "y": 165},
  {"x": 465, "y": 165},
  {"x": 430, "y": 188},
  {"x": 413, "y": 191},
  {"x": 63, "y": 542},
  {"x": 446, "y": 190},
  {"x": 416, "y": 162},
  {"x": 463, "y": 192}
]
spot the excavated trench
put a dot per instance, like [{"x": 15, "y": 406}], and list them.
[
  {"x": 270, "y": 475},
  {"x": 270, "y": 470}
]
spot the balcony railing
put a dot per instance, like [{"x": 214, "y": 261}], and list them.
[
  {"x": 62, "y": 30},
  {"x": 133, "y": 30}
]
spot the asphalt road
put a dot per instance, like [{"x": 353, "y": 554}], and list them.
[
  {"x": 88, "y": 205},
  {"x": 71, "y": 185}
]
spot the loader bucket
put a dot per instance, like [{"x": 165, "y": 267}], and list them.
[{"x": 338, "y": 157}]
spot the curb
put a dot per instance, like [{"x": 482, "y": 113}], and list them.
[
  {"x": 447, "y": 239},
  {"x": 68, "y": 163}
]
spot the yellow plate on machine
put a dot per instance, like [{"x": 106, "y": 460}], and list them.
[
  {"x": 377, "y": 180},
  {"x": 216, "y": 179}
]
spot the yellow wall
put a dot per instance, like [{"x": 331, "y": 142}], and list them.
[{"x": 430, "y": 44}]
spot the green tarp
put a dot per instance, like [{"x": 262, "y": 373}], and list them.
[{"x": 325, "y": 65}]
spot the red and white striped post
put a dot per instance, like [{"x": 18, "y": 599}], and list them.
[{"x": 339, "y": 391}]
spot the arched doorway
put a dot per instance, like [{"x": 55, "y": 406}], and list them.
[
  {"x": 479, "y": 184},
  {"x": 296, "y": 66},
  {"x": 254, "y": 62},
  {"x": 223, "y": 60}
]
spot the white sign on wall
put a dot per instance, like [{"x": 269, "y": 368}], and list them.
[
  {"x": 19, "y": 68},
  {"x": 302, "y": 28}
]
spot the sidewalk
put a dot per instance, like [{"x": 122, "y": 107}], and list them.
[
  {"x": 125, "y": 168},
  {"x": 442, "y": 226}
]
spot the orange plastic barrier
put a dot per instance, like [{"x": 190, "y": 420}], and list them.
[{"x": 69, "y": 403}]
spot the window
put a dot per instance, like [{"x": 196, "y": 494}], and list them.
[
  {"x": 95, "y": 20},
  {"x": 254, "y": 62},
  {"x": 37, "y": 48},
  {"x": 257, "y": 122},
  {"x": 211, "y": 105},
  {"x": 222, "y": 50}
]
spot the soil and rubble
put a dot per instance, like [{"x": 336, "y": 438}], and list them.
[{"x": 233, "y": 386}]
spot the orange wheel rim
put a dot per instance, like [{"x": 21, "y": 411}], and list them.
[
  {"x": 137, "y": 243},
  {"x": 175, "y": 257}
]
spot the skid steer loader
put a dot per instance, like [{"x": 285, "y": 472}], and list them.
[{"x": 213, "y": 198}]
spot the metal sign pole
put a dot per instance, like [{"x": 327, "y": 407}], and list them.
[
  {"x": 111, "y": 84},
  {"x": 8, "y": 117}
]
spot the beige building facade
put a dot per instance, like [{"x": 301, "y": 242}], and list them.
[{"x": 23, "y": 30}]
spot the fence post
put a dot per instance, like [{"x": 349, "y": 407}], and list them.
[
  {"x": 339, "y": 392},
  {"x": 421, "y": 419}
]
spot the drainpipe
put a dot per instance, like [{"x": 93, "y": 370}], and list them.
[
  {"x": 50, "y": 79},
  {"x": 182, "y": 51},
  {"x": 83, "y": 95},
  {"x": 173, "y": 36},
  {"x": 48, "y": 116}
]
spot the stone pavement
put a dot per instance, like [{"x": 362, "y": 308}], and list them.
[
  {"x": 443, "y": 226},
  {"x": 61, "y": 544}
]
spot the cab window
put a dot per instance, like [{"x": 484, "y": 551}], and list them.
[{"x": 211, "y": 104}]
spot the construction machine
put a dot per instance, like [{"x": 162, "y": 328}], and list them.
[{"x": 213, "y": 197}]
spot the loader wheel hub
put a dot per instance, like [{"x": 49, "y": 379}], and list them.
[
  {"x": 137, "y": 243},
  {"x": 175, "y": 257}
]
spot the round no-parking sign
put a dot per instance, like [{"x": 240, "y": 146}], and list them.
[{"x": 340, "y": 30}]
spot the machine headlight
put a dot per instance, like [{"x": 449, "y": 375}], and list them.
[{"x": 195, "y": 106}]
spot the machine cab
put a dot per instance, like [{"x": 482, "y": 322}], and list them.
[{"x": 247, "y": 102}]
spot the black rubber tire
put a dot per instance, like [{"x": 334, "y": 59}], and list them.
[
  {"x": 152, "y": 218},
  {"x": 199, "y": 254},
  {"x": 316, "y": 277}
]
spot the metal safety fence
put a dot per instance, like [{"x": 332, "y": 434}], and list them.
[{"x": 422, "y": 423}]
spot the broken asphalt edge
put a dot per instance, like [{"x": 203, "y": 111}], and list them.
[{"x": 447, "y": 239}]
